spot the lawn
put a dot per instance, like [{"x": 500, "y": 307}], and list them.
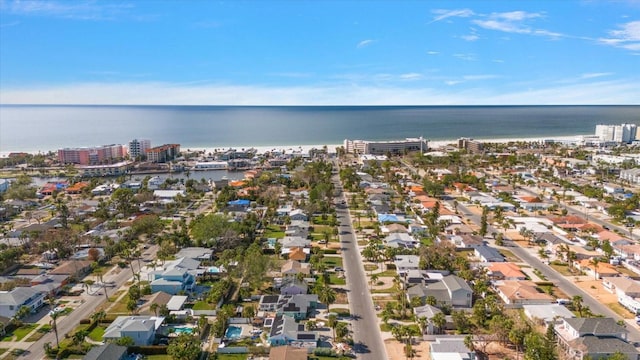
[
  {"x": 620, "y": 310},
  {"x": 227, "y": 356},
  {"x": 23, "y": 330},
  {"x": 158, "y": 357},
  {"x": 335, "y": 280},
  {"x": 273, "y": 231},
  {"x": 562, "y": 269},
  {"x": 97, "y": 333},
  {"x": 332, "y": 261},
  {"x": 203, "y": 305},
  {"x": 42, "y": 331},
  {"x": 509, "y": 255}
]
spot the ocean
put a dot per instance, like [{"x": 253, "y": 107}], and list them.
[{"x": 44, "y": 128}]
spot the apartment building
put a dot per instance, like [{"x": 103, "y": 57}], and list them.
[
  {"x": 394, "y": 147},
  {"x": 92, "y": 155},
  {"x": 163, "y": 153},
  {"x": 138, "y": 148}
]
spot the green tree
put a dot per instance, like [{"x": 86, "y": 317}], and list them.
[
  {"x": 439, "y": 321},
  {"x": 332, "y": 322},
  {"x": 125, "y": 341},
  {"x": 184, "y": 347},
  {"x": 577, "y": 304},
  {"x": 538, "y": 348}
]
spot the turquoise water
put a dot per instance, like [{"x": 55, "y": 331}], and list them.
[
  {"x": 183, "y": 330},
  {"x": 233, "y": 332},
  {"x": 213, "y": 269},
  {"x": 271, "y": 242}
]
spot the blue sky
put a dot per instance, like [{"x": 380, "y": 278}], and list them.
[{"x": 320, "y": 52}]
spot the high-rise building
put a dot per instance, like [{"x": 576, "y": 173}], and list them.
[
  {"x": 91, "y": 155},
  {"x": 395, "y": 147},
  {"x": 138, "y": 148},
  {"x": 623, "y": 133},
  {"x": 163, "y": 153}
]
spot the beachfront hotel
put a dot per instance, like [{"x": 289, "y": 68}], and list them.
[
  {"x": 623, "y": 133},
  {"x": 383, "y": 147},
  {"x": 92, "y": 155},
  {"x": 163, "y": 153},
  {"x": 139, "y": 147}
]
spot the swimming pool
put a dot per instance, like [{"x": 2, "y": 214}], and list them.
[
  {"x": 183, "y": 329},
  {"x": 213, "y": 270},
  {"x": 233, "y": 332}
]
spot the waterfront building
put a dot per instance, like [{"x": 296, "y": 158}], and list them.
[
  {"x": 473, "y": 146},
  {"x": 395, "y": 147},
  {"x": 116, "y": 169},
  {"x": 163, "y": 153},
  {"x": 138, "y": 148},
  {"x": 623, "y": 133},
  {"x": 211, "y": 165},
  {"x": 91, "y": 155}
]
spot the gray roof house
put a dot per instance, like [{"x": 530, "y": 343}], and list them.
[
  {"x": 406, "y": 262},
  {"x": 195, "y": 253},
  {"x": 593, "y": 338},
  {"x": 400, "y": 240},
  {"x": 12, "y": 301},
  {"x": 488, "y": 254},
  {"x": 450, "y": 348},
  {"x": 451, "y": 290},
  {"x": 294, "y": 241},
  {"x": 142, "y": 329},
  {"x": 107, "y": 352},
  {"x": 427, "y": 312},
  {"x": 286, "y": 331}
]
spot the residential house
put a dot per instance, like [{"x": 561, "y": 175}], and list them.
[
  {"x": 505, "y": 271},
  {"x": 297, "y": 254},
  {"x": 405, "y": 263},
  {"x": 108, "y": 351},
  {"x": 297, "y": 306},
  {"x": 286, "y": 331},
  {"x": 488, "y": 254},
  {"x": 446, "y": 348},
  {"x": 142, "y": 329},
  {"x": 73, "y": 268},
  {"x": 49, "y": 284},
  {"x": 178, "y": 275},
  {"x": 518, "y": 292},
  {"x": 394, "y": 228},
  {"x": 602, "y": 270},
  {"x": 12, "y": 301},
  {"x": 450, "y": 291},
  {"x": 294, "y": 241},
  {"x": 631, "y": 251},
  {"x": 168, "y": 196},
  {"x": 298, "y": 214},
  {"x": 466, "y": 241},
  {"x": 160, "y": 298},
  {"x": 294, "y": 267},
  {"x": 400, "y": 240},
  {"x": 293, "y": 286},
  {"x": 627, "y": 291},
  {"x": 195, "y": 253},
  {"x": 547, "y": 314},
  {"x": 427, "y": 312},
  {"x": 595, "y": 338}
]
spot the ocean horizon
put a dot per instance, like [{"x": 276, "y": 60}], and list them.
[{"x": 43, "y": 128}]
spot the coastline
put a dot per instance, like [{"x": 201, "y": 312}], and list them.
[{"x": 433, "y": 144}]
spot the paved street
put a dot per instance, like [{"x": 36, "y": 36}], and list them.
[
  {"x": 367, "y": 338},
  {"x": 566, "y": 285},
  {"x": 67, "y": 323}
]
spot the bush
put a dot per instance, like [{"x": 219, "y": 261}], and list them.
[
  {"x": 148, "y": 350},
  {"x": 85, "y": 321},
  {"x": 330, "y": 251},
  {"x": 324, "y": 352}
]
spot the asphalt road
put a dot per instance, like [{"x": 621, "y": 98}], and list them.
[
  {"x": 67, "y": 323},
  {"x": 366, "y": 332},
  {"x": 562, "y": 282}
]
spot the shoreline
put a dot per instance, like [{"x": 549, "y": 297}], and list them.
[{"x": 331, "y": 148}]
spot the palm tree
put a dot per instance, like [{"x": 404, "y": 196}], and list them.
[
  {"x": 332, "y": 322},
  {"x": 54, "y": 325},
  {"x": 98, "y": 316},
  {"x": 439, "y": 321},
  {"x": 577, "y": 304},
  {"x": 327, "y": 295},
  {"x": 595, "y": 261},
  {"x": 154, "y": 307}
]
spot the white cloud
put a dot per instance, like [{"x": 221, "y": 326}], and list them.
[
  {"x": 442, "y": 14},
  {"x": 365, "y": 43},
  {"x": 411, "y": 76},
  {"x": 515, "y": 22},
  {"x": 78, "y": 10},
  {"x": 433, "y": 52},
  {"x": 466, "y": 57},
  {"x": 595, "y": 75},
  {"x": 160, "y": 93},
  {"x": 627, "y": 36},
  {"x": 471, "y": 37}
]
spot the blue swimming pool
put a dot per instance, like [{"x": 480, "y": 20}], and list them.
[
  {"x": 233, "y": 332},
  {"x": 183, "y": 330},
  {"x": 213, "y": 270}
]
